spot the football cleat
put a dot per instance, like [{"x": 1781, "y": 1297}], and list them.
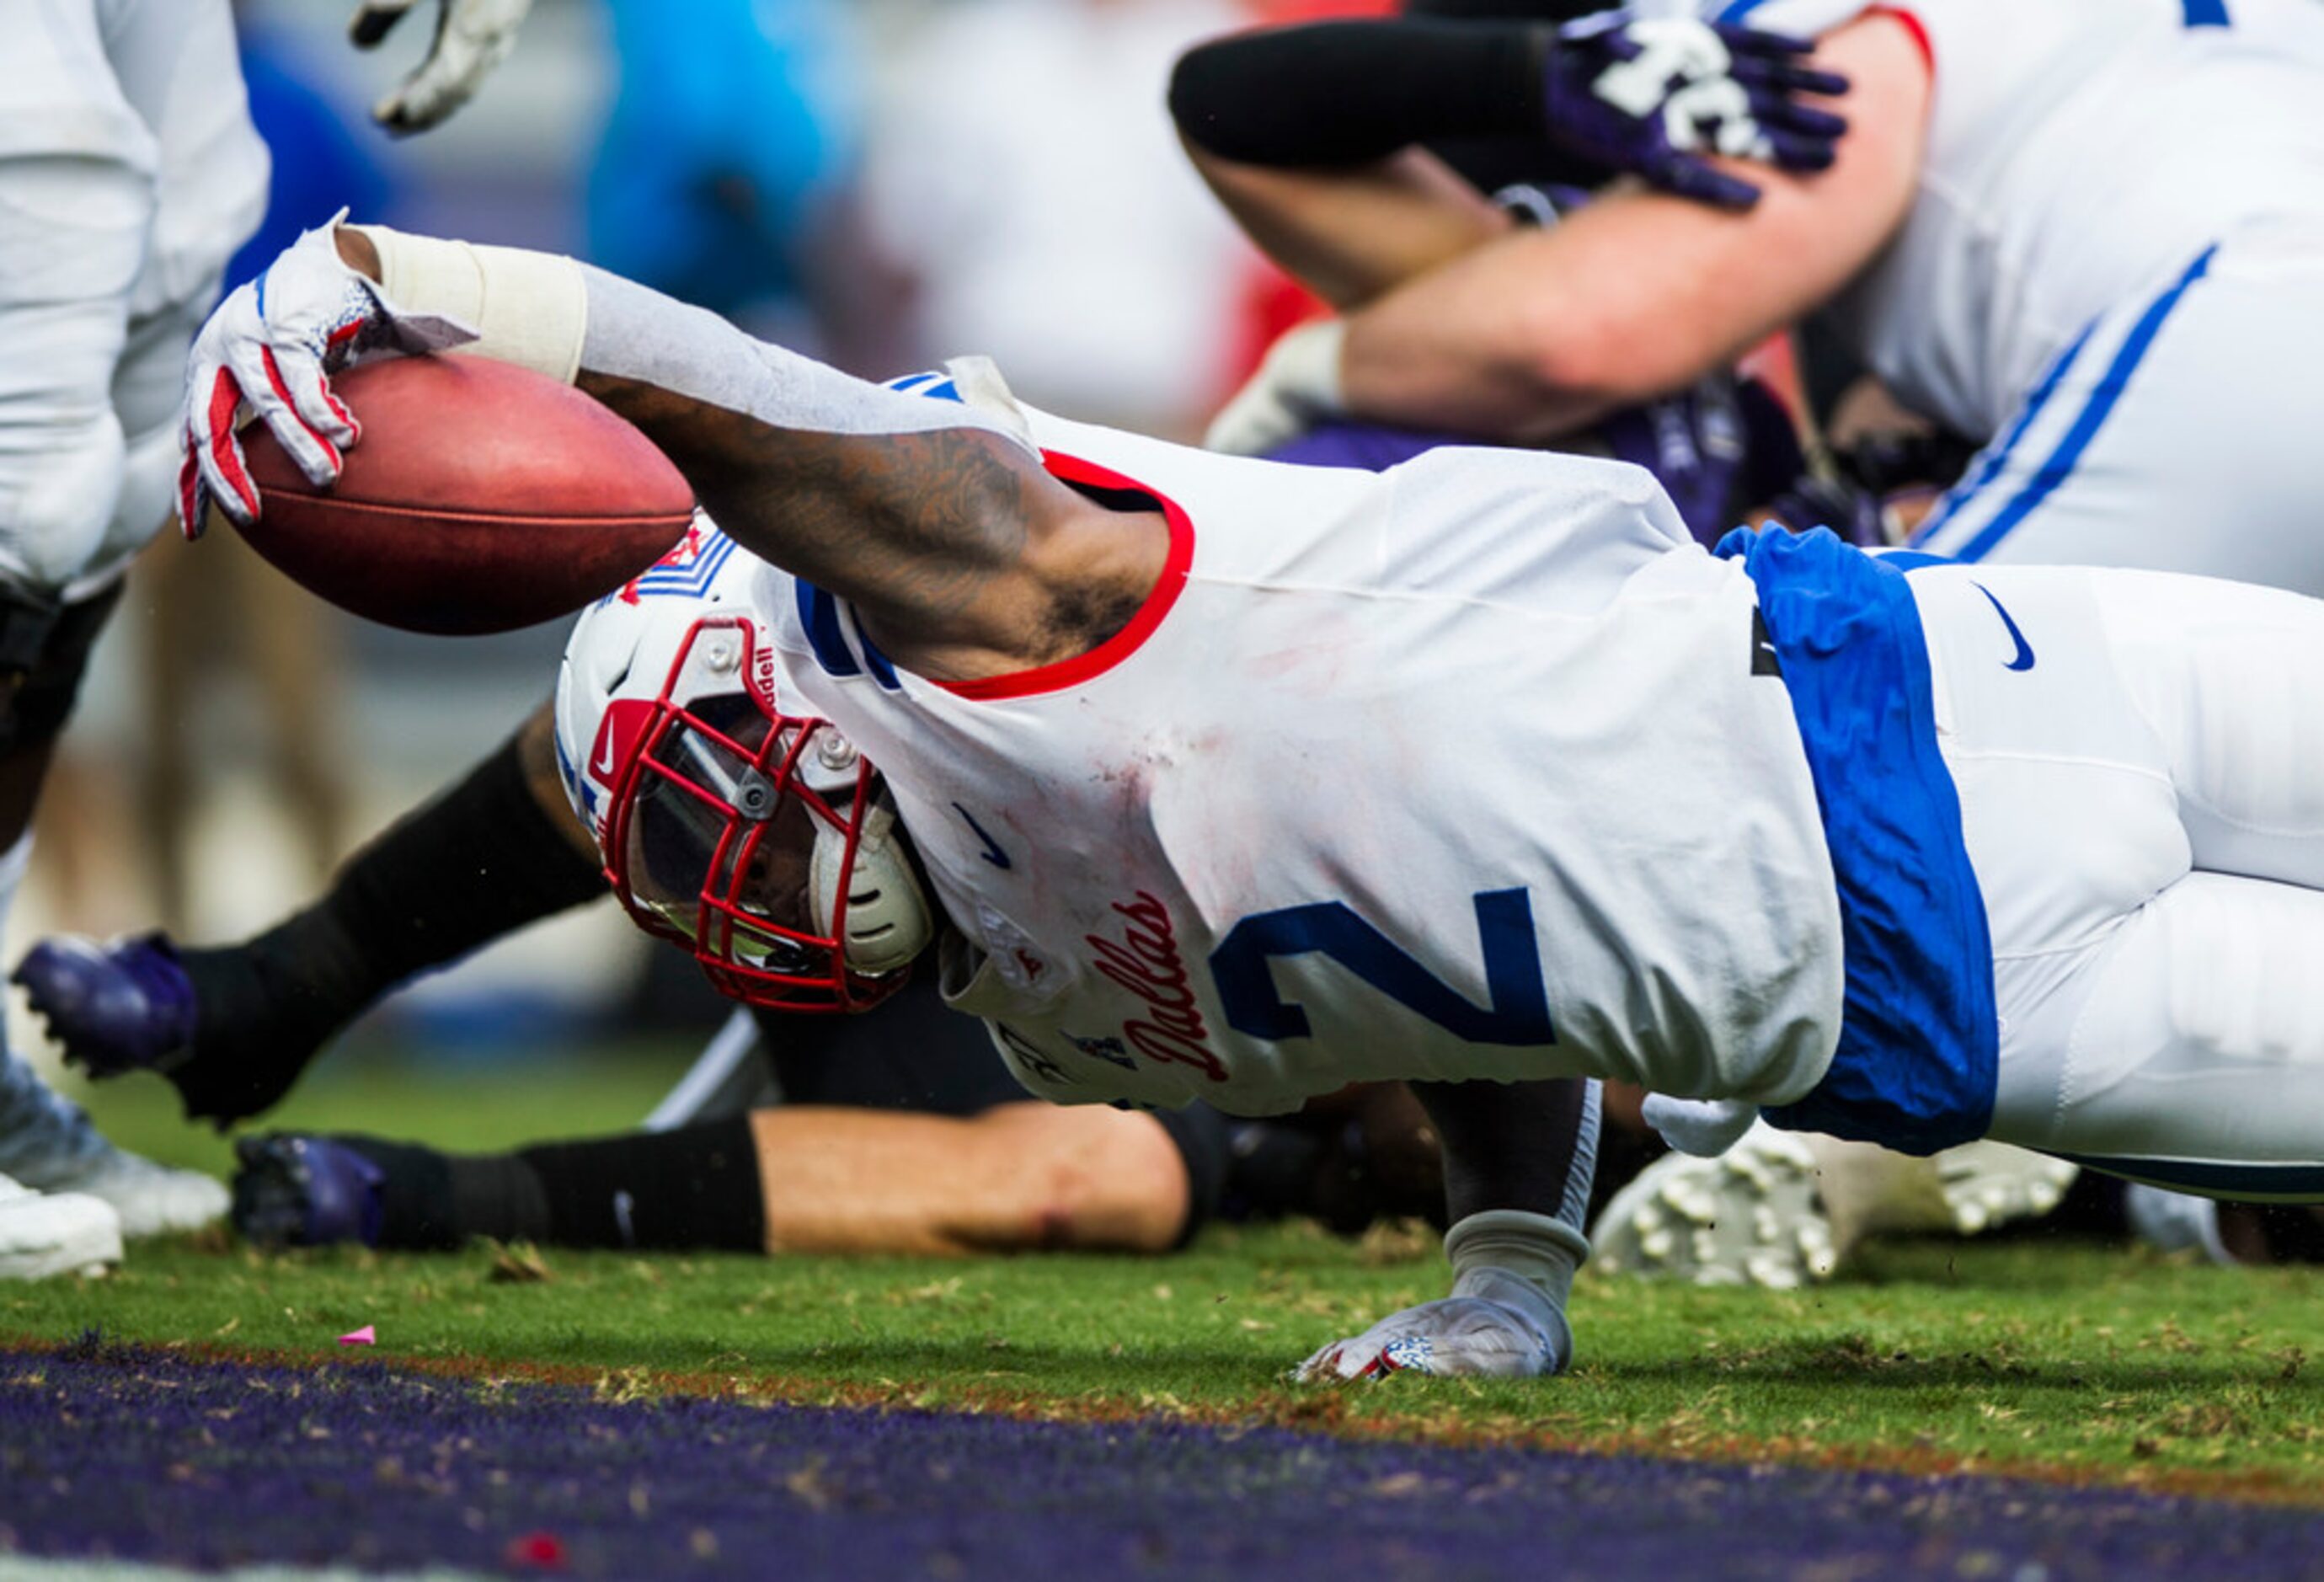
[
  {"x": 43, "y": 1234},
  {"x": 1750, "y": 1216},
  {"x": 1781, "y": 1209},
  {"x": 126, "y": 1005},
  {"x": 48, "y": 1143},
  {"x": 295, "y": 1191}
]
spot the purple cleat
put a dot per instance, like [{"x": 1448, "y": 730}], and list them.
[
  {"x": 299, "y": 1191},
  {"x": 117, "y": 1007}
]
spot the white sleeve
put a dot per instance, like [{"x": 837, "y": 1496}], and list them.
[{"x": 635, "y": 333}]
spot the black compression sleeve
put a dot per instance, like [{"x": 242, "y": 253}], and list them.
[
  {"x": 480, "y": 861},
  {"x": 696, "y": 1187},
  {"x": 1512, "y": 1144},
  {"x": 1343, "y": 93}
]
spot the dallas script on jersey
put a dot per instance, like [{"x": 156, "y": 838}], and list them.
[{"x": 1146, "y": 961}]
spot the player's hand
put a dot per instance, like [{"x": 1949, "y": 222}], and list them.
[
  {"x": 273, "y": 345},
  {"x": 1655, "y": 95},
  {"x": 1296, "y": 386},
  {"x": 471, "y": 37},
  {"x": 1505, "y": 1320},
  {"x": 1496, "y": 1326}
]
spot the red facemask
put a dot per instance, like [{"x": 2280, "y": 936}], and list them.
[{"x": 717, "y": 806}]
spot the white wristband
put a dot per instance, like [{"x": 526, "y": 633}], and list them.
[{"x": 531, "y": 309}]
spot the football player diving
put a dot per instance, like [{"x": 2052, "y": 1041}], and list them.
[{"x": 1236, "y": 782}]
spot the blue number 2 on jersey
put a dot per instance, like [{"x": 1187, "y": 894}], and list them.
[{"x": 1517, "y": 1012}]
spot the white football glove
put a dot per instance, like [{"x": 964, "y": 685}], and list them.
[
  {"x": 273, "y": 343},
  {"x": 471, "y": 37},
  {"x": 1703, "y": 1127},
  {"x": 1297, "y": 384},
  {"x": 1505, "y": 1320}
]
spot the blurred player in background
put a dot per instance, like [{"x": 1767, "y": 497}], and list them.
[
  {"x": 2070, "y": 237},
  {"x": 733, "y": 132},
  {"x": 129, "y": 173}
]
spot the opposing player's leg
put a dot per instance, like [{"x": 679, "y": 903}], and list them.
[
  {"x": 233, "y": 1026},
  {"x": 102, "y": 271},
  {"x": 1021, "y": 1176},
  {"x": 2173, "y": 434}
]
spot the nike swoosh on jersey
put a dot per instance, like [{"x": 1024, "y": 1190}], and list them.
[
  {"x": 992, "y": 852},
  {"x": 2023, "y": 658}
]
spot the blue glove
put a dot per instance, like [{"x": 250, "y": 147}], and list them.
[{"x": 1653, "y": 95}]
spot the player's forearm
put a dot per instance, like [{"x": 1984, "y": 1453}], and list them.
[
  {"x": 1302, "y": 132},
  {"x": 1543, "y": 332},
  {"x": 1333, "y": 95},
  {"x": 800, "y": 463},
  {"x": 1350, "y": 235},
  {"x": 1017, "y": 1177},
  {"x": 1538, "y": 333}
]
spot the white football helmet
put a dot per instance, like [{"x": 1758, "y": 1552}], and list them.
[{"x": 760, "y": 839}]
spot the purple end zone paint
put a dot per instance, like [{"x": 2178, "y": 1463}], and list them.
[{"x": 142, "y": 1455}]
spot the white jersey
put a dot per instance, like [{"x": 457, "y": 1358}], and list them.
[
  {"x": 1466, "y": 769},
  {"x": 2081, "y": 153}
]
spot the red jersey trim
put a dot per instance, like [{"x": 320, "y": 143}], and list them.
[
  {"x": 1087, "y": 667},
  {"x": 1912, "y": 25}
]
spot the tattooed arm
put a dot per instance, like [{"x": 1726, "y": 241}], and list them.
[{"x": 935, "y": 519}]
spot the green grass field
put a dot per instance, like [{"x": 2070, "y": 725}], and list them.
[{"x": 2045, "y": 1356}]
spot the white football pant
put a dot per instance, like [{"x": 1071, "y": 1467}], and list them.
[
  {"x": 2140, "y": 758},
  {"x": 129, "y": 173}
]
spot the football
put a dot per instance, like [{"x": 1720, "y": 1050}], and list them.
[{"x": 482, "y": 497}]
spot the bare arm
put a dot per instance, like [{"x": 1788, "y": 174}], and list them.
[
  {"x": 1540, "y": 332},
  {"x": 1017, "y": 1177},
  {"x": 1348, "y": 235}
]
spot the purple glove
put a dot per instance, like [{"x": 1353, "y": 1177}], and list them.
[{"x": 1653, "y": 95}]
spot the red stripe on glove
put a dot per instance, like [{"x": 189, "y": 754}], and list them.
[
  {"x": 225, "y": 395},
  {"x": 274, "y": 377}
]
